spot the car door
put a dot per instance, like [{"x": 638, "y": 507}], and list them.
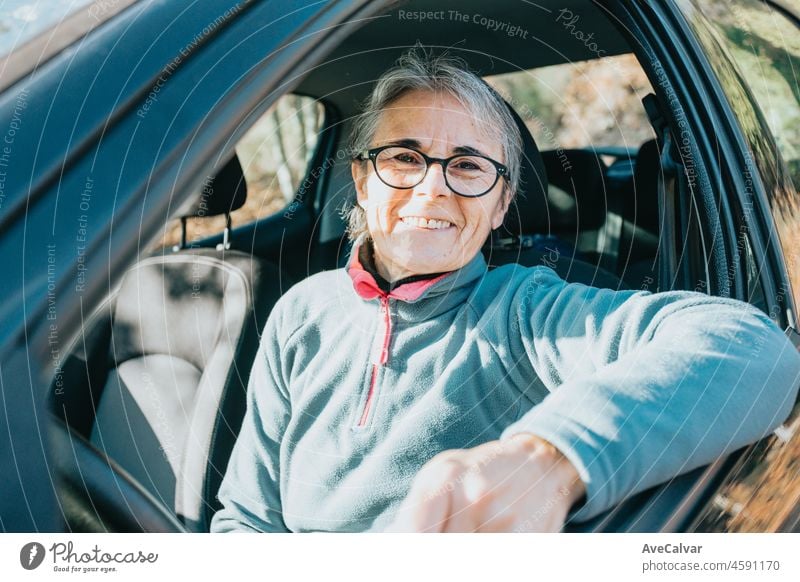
[
  {"x": 109, "y": 134},
  {"x": 732, "y": 231},
  {"x": 754, "y": 49}
]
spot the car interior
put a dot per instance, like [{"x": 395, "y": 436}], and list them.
[{"x": 154, "y": 392}]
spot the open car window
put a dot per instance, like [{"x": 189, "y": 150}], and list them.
[{"x": 275, "y": 154}]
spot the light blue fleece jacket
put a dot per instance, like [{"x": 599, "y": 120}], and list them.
[{"x": 353, "y": 390}]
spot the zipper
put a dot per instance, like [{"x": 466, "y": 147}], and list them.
[{"x": 382, "y": 359}]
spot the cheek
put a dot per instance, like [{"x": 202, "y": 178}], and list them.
[
  {"x": 382, "y": 204},
  {"x": 478, "y": 215},
  {"x": 375, "y": 197}
]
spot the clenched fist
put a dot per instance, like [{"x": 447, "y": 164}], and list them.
[{"x": 521, "y": 484}]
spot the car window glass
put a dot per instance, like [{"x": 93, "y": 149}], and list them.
[
  {"x": 749, "y": 44},
  {"x": 275, "y": 154},
  {"x": 587, "y": 104},
  {"x": 21, "y": 20},
  {"x": 766, "y": 48}
]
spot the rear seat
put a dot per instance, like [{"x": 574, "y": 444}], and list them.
[
  {"x": 546, "y": 224},
  {"x": 640, "y": 227},
  {"x": 577, "y": 196}
]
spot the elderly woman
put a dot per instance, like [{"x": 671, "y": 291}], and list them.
[{"x": 416, "y": 390}]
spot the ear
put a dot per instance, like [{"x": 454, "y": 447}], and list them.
[
  {"x": 358, "y": 170},
  {"x": 502, "y": 208}
]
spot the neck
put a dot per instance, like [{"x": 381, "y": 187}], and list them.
[
  {"x": 390, "y": 271},
  {"x": 367, "y": 259}
]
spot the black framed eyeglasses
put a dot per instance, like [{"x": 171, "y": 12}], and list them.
[{"x": 401, "y": 167}]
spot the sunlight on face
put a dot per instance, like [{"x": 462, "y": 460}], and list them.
[{"x": 405, "y": 245}]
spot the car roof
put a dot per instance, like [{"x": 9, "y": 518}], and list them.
[{"x": 547, "y": 32}]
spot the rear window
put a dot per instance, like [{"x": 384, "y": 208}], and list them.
[
  {"x": 275, "y": 154},
  {"x": 590, "y": 104}
]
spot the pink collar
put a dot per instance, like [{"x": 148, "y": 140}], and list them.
[{"x": 367, "y": 288}]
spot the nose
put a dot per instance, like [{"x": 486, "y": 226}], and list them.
[{"x": 434, "y": 182}]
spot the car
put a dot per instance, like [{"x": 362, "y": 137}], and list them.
[{"x": 168, "y": 171}]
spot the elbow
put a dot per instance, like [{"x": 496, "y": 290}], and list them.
[
  {"x": 776, "y": 375},
  {"x": 787, "y": 381}
]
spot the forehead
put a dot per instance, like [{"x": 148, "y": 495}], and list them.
[{"x": 439, "y": 122}]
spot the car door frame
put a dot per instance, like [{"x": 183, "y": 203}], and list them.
[{"x": 668, "y": 51}]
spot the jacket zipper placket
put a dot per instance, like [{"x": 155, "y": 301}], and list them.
[{"x": 382, "y": 359}]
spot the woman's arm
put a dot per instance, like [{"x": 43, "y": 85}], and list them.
[
  {"x": 648, "y": 386},
  {"x": 517, "y": 484},
  {"x": 642, "y": 386},
  {"x": 250, "y": 491}
]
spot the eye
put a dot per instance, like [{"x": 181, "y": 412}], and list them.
[
  {"x": 407, "y": 158},
  {"x": 470, "y": 164},
  {"x": 466, "y": 165}
]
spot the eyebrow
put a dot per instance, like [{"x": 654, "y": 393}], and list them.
[{"x": 412, "y": 143}]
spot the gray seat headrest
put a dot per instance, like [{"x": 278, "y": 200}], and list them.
[{"x": 225, "y": 192}]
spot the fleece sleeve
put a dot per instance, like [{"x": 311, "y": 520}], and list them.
[
  {"x": 250, "y": 491},
  {"x": 643, "y": 387}
]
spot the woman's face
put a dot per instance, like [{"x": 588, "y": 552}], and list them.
[{"x": 439, "y": 126}]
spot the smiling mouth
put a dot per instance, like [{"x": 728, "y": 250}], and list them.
[{"x": 428, "y": 223}]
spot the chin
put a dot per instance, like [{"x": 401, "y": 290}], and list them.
[
  {"x": 438, "y": 265},
  {"x": 416, "y": 256}
]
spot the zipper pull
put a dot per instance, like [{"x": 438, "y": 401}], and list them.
[{"x": 387, "y": 329}]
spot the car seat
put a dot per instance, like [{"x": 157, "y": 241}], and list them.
[
  {"x": 639, "y": 238},
  {"x": 530, "y": 233},
  {"x": 578, "y": 199},
  {"x": 158, "y": 381}
]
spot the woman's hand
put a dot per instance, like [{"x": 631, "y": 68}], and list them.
[{"x": 521, "y": 484}]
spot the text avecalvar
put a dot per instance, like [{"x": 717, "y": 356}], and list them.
[{"x": 671, "y": 549}]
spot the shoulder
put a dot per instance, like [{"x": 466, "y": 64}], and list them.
[
  {"x": 502, "y": 288},
  {"x": 514, "y": 281},
  {"x": 540, "y": 287},
  {"x": 312, "y": 297},
  {"x": 518, "y": 274}
]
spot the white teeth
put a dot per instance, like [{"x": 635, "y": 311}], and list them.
[{"x": 426, "y": 222}]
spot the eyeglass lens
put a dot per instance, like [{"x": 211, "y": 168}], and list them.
[{"x": 404, "y": 168}]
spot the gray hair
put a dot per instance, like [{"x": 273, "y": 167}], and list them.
[{"x": 437, "y": 74}]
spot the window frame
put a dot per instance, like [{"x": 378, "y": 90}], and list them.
[{"x": 665, "y": 44}]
